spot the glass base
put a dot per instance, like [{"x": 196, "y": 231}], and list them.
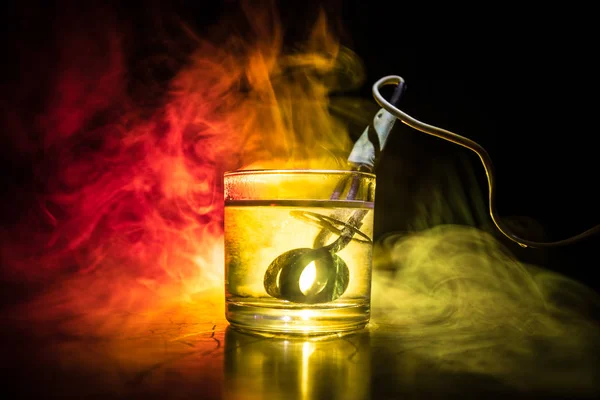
[{"x": 306, "y": 320}]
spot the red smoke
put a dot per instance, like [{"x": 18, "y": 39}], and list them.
[{"x": 126, "y": 137}]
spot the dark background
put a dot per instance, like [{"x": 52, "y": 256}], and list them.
[{"x": 521, "y": 83}]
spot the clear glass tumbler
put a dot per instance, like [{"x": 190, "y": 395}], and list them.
[{"x": 298, "y": 249}]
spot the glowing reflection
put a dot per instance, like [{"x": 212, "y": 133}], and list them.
[
  {"x": 307, "y": 350},
  {"x": 307, "y": 278},
  {"x": 306, "y": 314},
  {"x": 294, "y": 368}
]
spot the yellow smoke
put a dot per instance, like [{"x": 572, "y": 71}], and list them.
[{"x": 460, "y": 299}]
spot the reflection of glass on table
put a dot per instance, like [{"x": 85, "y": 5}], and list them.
[{"x": 268, "y": 368}]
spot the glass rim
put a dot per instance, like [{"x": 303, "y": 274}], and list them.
[{"x": 297, "y": 172}]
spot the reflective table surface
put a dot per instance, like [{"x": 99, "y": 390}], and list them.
[{"x": 189, "y": 351}]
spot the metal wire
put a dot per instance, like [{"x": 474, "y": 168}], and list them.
[{"x": 483, "y": 156}]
